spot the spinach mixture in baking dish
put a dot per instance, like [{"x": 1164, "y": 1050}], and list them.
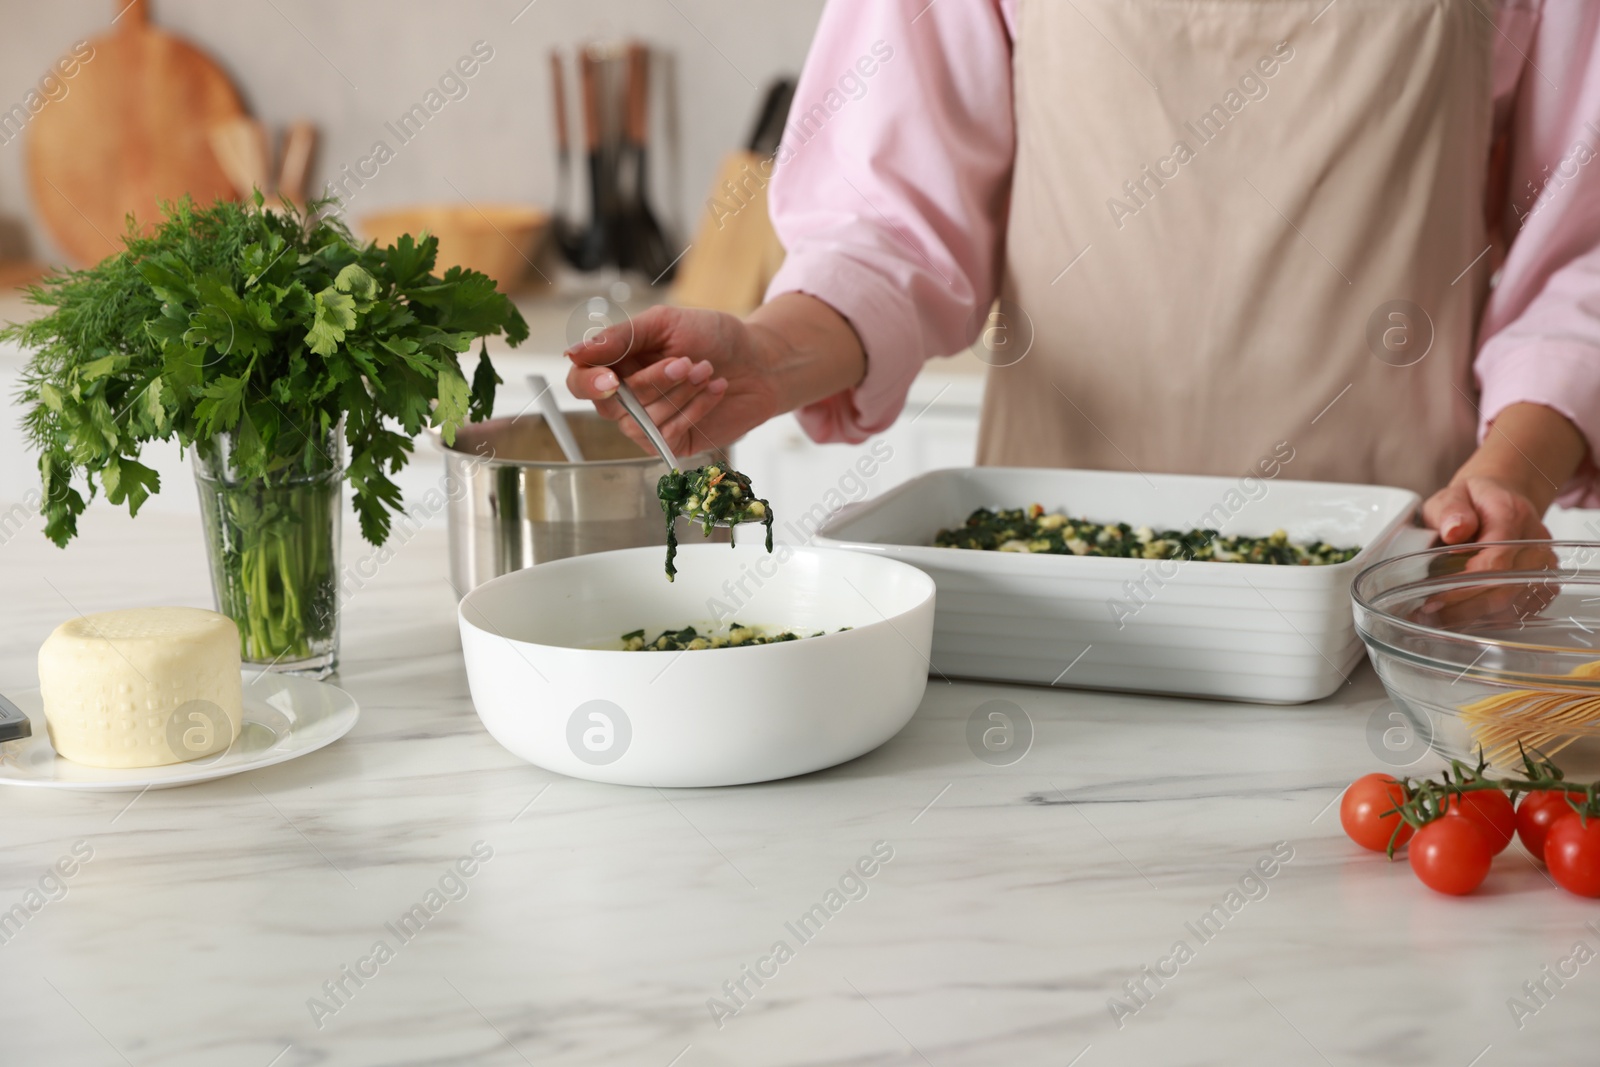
[{"x": 1035, "y": 530}]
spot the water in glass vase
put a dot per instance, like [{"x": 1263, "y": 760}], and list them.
[{"x": 273, "y": 543}]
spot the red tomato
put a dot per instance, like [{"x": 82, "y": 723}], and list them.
[
  {"x": 1361, "y": 812},
  {"x": 1572, "y": 852},
  {"x": 1537, "y": 813},
  {"x": 1490, "y": 811},
  {"x": 1451, "y": 855}
]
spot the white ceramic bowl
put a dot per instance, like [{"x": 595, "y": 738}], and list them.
[{"x": 548, "y": 689}]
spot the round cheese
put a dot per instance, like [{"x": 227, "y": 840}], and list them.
[{"x": 142, "y": 687}]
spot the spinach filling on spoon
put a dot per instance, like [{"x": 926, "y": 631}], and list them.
[{"x": 711, "y": 496}]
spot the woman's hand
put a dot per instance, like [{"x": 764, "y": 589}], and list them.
[
  {"x": 708, "y": 378},
  {"x": 1501, "y": 494},
  {"x": 1483, "y": 509},
  {"x": 1503, "y": 490},
  {"x": 699, "y": 373}
]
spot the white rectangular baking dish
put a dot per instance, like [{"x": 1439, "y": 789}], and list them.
[{"x": 1268, "y": 634}]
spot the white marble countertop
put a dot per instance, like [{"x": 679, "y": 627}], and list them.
[{"x": 1017, "y": 902}]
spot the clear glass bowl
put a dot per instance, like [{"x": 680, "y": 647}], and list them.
[{"x": 1488, "y": 644}]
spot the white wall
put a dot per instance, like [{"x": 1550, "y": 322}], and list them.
[{"x": 352, "y": 65}]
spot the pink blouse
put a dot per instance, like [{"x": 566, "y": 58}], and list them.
[{"x": 891, "y": 192}]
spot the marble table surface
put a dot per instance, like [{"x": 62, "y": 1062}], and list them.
[{"x": 1007, "y": 911}]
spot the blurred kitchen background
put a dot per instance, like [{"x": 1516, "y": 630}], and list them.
[{"x": 349, "y": 72}]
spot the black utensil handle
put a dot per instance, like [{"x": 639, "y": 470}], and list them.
[
  {"x": 13, "y": 723},
  {"x": 774, "y": 115}
]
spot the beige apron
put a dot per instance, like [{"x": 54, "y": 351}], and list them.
[{"x": 1239, "y": 223}]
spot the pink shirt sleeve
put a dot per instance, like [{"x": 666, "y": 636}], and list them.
[
  {"x": 1541, "y": 328},
  {"x": 891, "y": 188}
]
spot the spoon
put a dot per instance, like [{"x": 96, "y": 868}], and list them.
[
  {"x": 630, "y": 401},
  {"x": 555, "y": 418}
]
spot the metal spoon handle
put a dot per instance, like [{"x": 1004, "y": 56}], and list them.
[
  {"x": 642, "y": 417},
  {"x": 555, "y": 418}
]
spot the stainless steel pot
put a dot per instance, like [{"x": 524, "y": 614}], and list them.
[{"x": 515, "y": 501}]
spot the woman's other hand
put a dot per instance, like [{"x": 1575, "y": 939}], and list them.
[
  {"x": 1503, "y": 490},
  {"x": 1483, "y": 509}
]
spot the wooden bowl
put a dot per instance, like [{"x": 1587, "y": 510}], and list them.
[{"x": 501, "y": 240}]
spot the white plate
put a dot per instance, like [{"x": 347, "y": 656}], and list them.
[{"x": 284, "y": 716}]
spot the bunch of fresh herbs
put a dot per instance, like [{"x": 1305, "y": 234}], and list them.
[{"x": 269, "y": 325}]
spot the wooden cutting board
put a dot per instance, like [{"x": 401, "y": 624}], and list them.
[
  {"x": 736, "y": 252},
  {"x": 133, "y": 130}
]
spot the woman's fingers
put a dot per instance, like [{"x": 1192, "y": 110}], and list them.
[
  {"x": 591, "y": 383},
  {"x": 634, "y": 353},
  {"x": 669, "y": 391},
  {"x": 665, "y": 355},
  {"x": 680, "y": 426},
  {"x": 1507, "y": 517},
  {"x": 1451, "y": 512},
  {"x": 649, "y": 383},
  {"x": 612, "y": 409},
  {"x": 677, "y": 411},
  {"x": 617, "y": 350},
  {"x": 667, "y": 376},
  {"x": 1483, "y": 509},
  {"x": 1498, "y": 513},
  {"x": 665, "y": 409},
  {"x": 606, "y": 346},
  {"x": 648, "y": 332}
]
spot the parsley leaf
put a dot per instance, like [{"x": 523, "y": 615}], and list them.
[{"x": 335, "y": 315}]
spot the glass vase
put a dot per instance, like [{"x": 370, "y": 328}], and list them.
[{"x": 273, "y": 544}]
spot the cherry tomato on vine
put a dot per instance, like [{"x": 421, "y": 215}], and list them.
[
  {"x": 1362, "y": 812},
  {"x": 1537, "y": 813},
  {"x": 1451, "y": 855},
  {"x": 1491, "y": 811},
  {"x": 1572, "y": 852}
]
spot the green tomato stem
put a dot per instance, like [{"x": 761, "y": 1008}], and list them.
[{"x": 1427, "y": 799}]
